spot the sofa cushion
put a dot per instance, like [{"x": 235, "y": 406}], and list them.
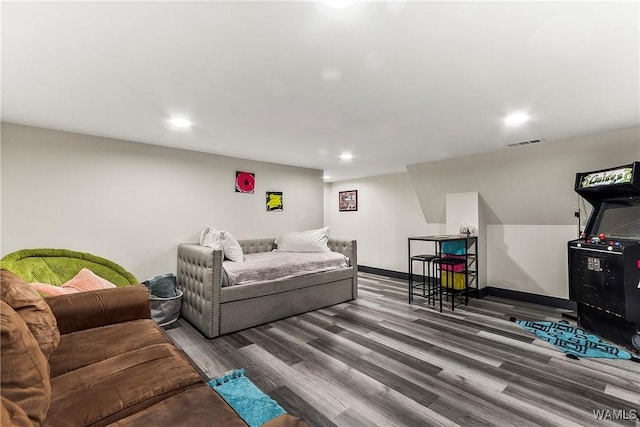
[
  {"x": 197, "y": 406},
  {"x": 82, "y": 348},
  {"x": 92, "y": 309},
  {"x": 116, "y": 387},
  {"x": 24, "y": 372},
  {"x": 12, "y": 415},
  {"x": 33, "y": 309},
  {"x": 86, "y": 280},
  {"x": 48, "y": 290}
]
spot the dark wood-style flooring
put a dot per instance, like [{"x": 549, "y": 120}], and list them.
[{"x": 378, "y": 361}]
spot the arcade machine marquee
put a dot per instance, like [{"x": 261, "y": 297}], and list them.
[{"x": 604, "y": 264}]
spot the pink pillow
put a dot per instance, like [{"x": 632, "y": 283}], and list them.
[
  {"x": 87, "y": 280},
  {"x": 51, "y": 290}
]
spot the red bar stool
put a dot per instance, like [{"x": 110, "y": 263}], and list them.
[{"x": 447, "y": 267}]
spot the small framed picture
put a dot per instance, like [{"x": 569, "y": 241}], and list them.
[
  {"x": 245, "y": 182},
  {"x": 348, "y": 201},
  {"x": 275, "y": 201}
]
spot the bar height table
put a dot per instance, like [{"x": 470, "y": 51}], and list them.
[{"x": 470, "y": 257}]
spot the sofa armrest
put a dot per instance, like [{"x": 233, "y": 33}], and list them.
[
  {"x": 348, "y": 248},
  {"x": 86, "y": 310},
  {"x": 199, "y": 277}
]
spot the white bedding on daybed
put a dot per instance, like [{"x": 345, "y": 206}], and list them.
[{"x": 266, "y": 266}]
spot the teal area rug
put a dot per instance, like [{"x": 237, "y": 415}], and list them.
[
  {"x": 253, "y": 406},
  {"x": 574, "y": 341}
]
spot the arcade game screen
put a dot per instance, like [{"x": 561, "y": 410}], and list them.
[{"x": 619, "y": 219}]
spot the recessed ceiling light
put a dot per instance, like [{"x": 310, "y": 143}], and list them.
[
  {"x": 346, "y": 156},
  {"x": 516, "y": 119},
  {"x": 326, "y": 177},
  {"x": 180, "y": 122},
  {"x": 331, "y": 75}
]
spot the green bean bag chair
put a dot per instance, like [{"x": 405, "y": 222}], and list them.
[{"x": 58, "y": 266}]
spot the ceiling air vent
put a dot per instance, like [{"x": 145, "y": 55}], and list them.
[{"x": 533, "y": 141}]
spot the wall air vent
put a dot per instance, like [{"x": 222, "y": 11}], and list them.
[{"x": 518, "y": 144}]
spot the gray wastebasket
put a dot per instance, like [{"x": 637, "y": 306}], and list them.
[{"x": 165, "y": 311}]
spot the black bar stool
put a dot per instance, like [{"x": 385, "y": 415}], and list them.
[
  {"x": 447, "y": 271},
  {"x": 428, "y": 283}
]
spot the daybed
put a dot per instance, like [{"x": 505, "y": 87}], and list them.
[
  {"x": 217, "y": 310},
  {"x": 96, "y": 358}
]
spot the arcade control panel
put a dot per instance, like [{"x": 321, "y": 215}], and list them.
[{"x": 599, "y": 242}]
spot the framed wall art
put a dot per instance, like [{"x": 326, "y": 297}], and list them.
[
  {"x": 245, "y": 182},
  {"x": 275, "y": 201},
  {"x": 348, "y": 201}
]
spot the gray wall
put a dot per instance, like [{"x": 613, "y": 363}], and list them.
[
  {"x": 133, "y": 203},
  {"x": 530, "y": 184},
  {"x": 526, "y": 197},
  {"x": 388, "y": 212}
]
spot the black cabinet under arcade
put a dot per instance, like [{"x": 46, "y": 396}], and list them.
[{"x": 604, "y": 264}]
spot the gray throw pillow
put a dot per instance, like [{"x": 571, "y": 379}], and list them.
[{"x": 163, "y": 286}]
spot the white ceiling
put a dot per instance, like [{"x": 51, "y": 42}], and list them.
[{"x": 298, "y": 83}]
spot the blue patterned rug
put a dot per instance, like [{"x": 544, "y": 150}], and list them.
[
  {"x": 574, "y": 341},
  {"x": 253, "y": 406}
]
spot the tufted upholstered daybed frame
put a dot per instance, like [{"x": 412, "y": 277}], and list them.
[{"x": 217, "y": 310}]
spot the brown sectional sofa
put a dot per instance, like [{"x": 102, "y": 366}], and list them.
[{"x": 96, "y": 358}]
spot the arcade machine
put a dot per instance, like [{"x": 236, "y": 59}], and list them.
[{"x": 604, "y": 264}]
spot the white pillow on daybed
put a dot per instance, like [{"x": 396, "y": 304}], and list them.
[
  {"x": 230, "y": 247},
  {"x": 224, "y": 241},
  {"x": 304, "y": 241},
  {"x": 210, "y": 237}
]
